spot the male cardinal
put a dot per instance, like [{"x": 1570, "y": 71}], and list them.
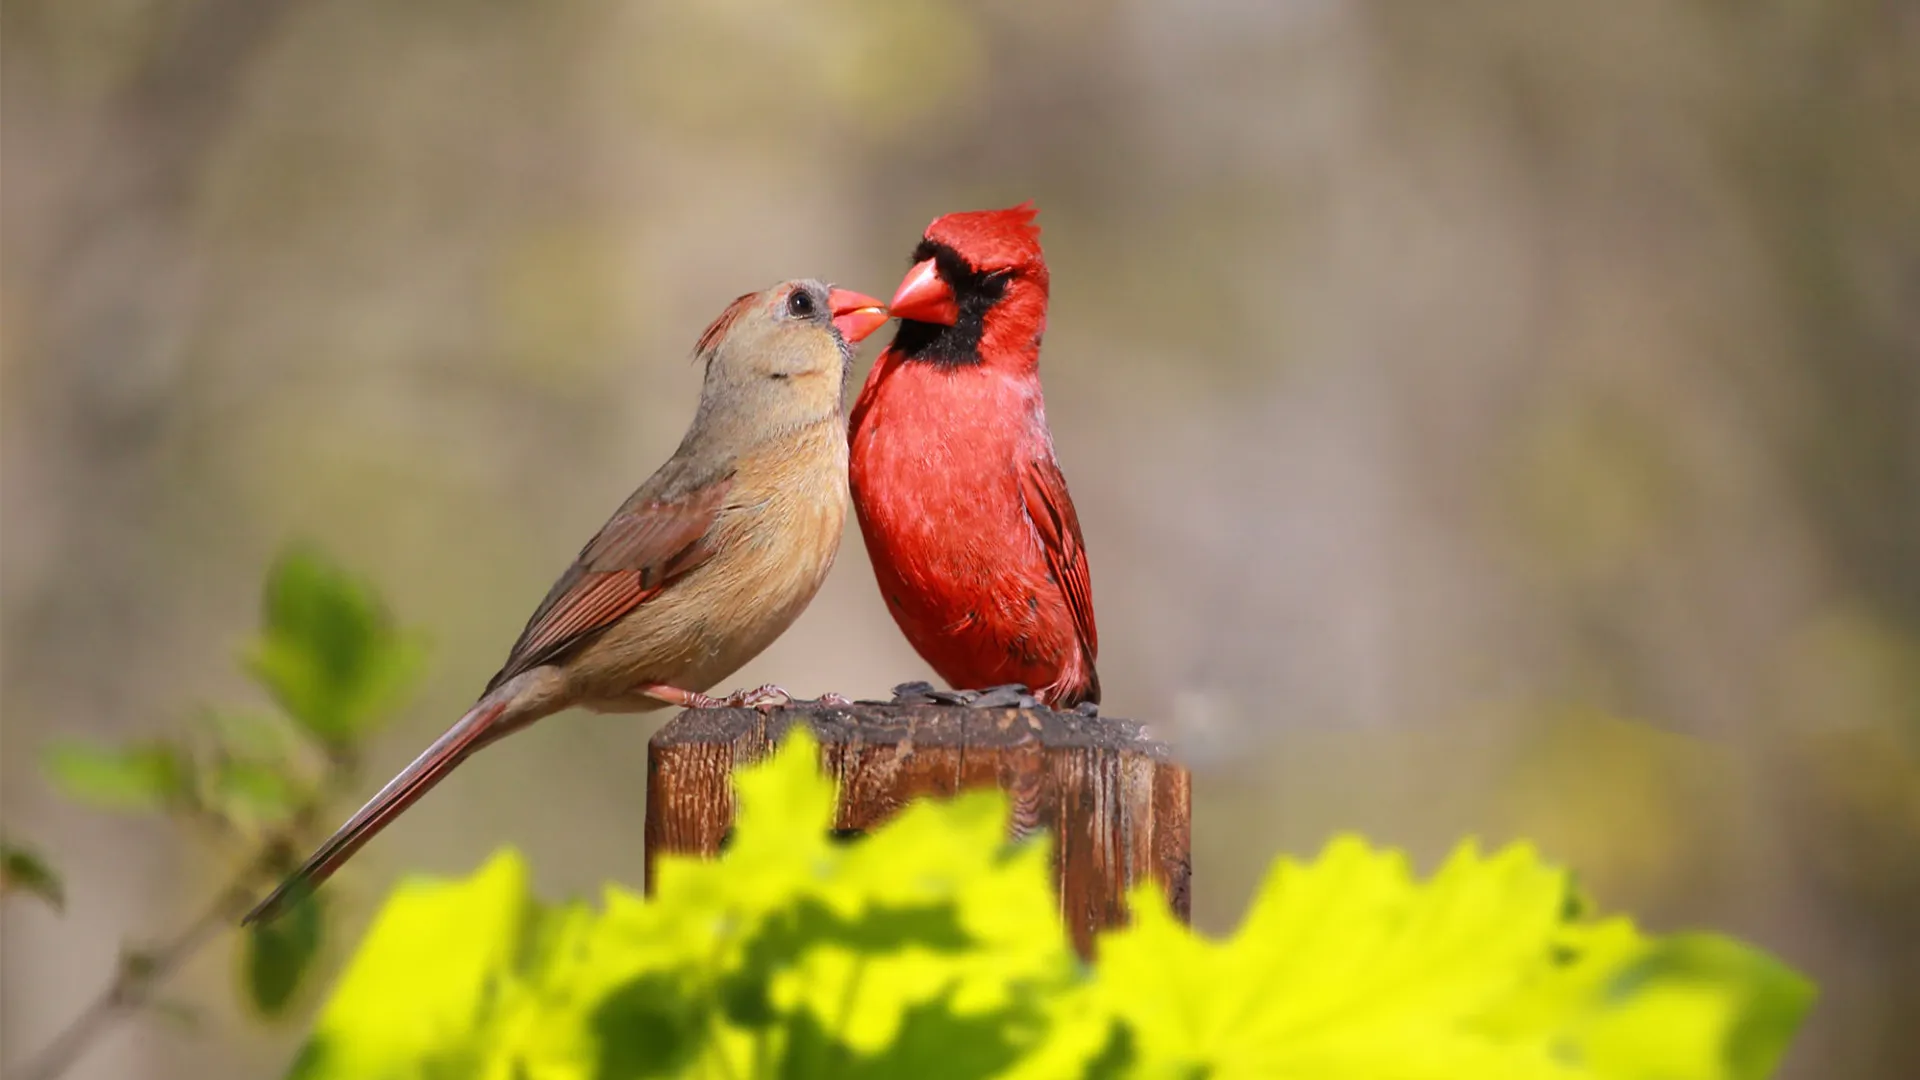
[
  {"x": 698, "y": 571},
  {"x": 966, "y": 515}
]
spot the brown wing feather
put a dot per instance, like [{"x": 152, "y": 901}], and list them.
[
  {"x": 1051, "y": 509},
  {"x": 641, "y": 550}
]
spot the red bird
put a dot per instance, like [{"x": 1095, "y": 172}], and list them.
[{"x": 966, "y": 515}]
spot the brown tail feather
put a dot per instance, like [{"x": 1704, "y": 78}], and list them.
[{"x": 481, "y": 725}]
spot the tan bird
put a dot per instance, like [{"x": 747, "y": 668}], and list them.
[{"x": 699, "y": 570}]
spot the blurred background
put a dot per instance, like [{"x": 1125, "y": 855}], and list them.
[{"x": 1486, "y": 418}]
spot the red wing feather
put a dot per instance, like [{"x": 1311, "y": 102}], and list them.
[
  {"x": 1051, "y": 509},
  {"x": 635, "y": 555}
]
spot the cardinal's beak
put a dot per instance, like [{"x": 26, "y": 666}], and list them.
[
  {"x": 924, "y": 297},
  {"x": 856, "y": 315}
]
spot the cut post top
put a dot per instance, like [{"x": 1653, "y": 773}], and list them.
[{"x": 1116, "y": 801}]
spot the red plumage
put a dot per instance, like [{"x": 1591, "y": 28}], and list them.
[{"x": 973, "y": 537}]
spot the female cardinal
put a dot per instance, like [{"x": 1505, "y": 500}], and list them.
[
  {"x": 699, "y": 570},
  {"x": 966, "y": 515}
]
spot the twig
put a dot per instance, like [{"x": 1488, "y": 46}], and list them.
[{"x": 141, "y": 973}]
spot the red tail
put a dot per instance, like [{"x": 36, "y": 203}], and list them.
[{"x": 480, "y": 726}]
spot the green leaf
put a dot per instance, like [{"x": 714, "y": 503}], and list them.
[
  {"x": 1348, "y": 967},
  {"x": 934, "y": 908},
  {"x": 278, "y": 955},
  {"x": 648, "y": 1027},
  {"x": 257, "y": 735},
  {"x": 252, "y": 791},
  {"x": 149, "y": 776},
  {"x": 24, "y": 871},
  {"x": 933, "y": 948},
  {"x": 417, "y": 995},
  {"x": 1696, "y": 1005},
  {"x": 329, "y": 653}
]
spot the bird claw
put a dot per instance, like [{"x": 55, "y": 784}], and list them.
[
  {"x": 832, "y": 700},
  {"x": 1004, "y": 696},
  {"x": 764, "y": 698},
  {"x": 1001, "y": 697},
  {"x": 912, "y": 693}
]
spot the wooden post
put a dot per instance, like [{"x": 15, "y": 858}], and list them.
[{"x": 1117, "y": 804}]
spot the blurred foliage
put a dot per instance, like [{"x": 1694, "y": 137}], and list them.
[
  {"x": 328, "y": 653},
  {"x": 844, "y": 54},
  {"x": 154, "y": 776},
  {"x": 25, "y": 871},
  {"x": 279, "y": 954},
  {"x": 932, "y": 948},
  {"x": 332, "y": 656},
  {"x": 1404, "y": 358}
]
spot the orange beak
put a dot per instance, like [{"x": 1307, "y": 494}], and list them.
[
  {"x": 856, "y": 315},
  {"x": 923, "y": 297}
]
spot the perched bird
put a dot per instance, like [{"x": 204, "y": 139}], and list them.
[
  {"x": 973, "y": 537},
  {"x": 698, "y": 571}
]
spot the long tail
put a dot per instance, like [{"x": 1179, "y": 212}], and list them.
[{"x": 485, "y": 722}]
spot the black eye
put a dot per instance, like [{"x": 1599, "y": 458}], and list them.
[{"x": 800, "y": 304}]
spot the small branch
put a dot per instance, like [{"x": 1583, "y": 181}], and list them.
[{"x": 142, "y": 973}]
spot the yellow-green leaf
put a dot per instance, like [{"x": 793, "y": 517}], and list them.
[
  {"x": 148, "y": 776},
  {"x": 1348, "y": 967},
  {"x": 417, "y": 993},
  {"x": 933, "y": 948}
]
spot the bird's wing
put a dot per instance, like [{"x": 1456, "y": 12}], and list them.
[
  {"x": 1051, "y": 509},
  {"x": 653, "y": 539}
]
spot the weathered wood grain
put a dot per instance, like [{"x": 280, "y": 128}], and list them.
[{"x": 1118, "y": 805}]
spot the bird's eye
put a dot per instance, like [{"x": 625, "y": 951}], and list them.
[{"x": 800, "y": 304}]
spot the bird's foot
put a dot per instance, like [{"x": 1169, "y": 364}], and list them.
[
  {"x": 1006, "y": 696},
  {"x": 832, "y": 700},
  {"x": 765, "y": 698},
  {"x": 912, "y": 693}
]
